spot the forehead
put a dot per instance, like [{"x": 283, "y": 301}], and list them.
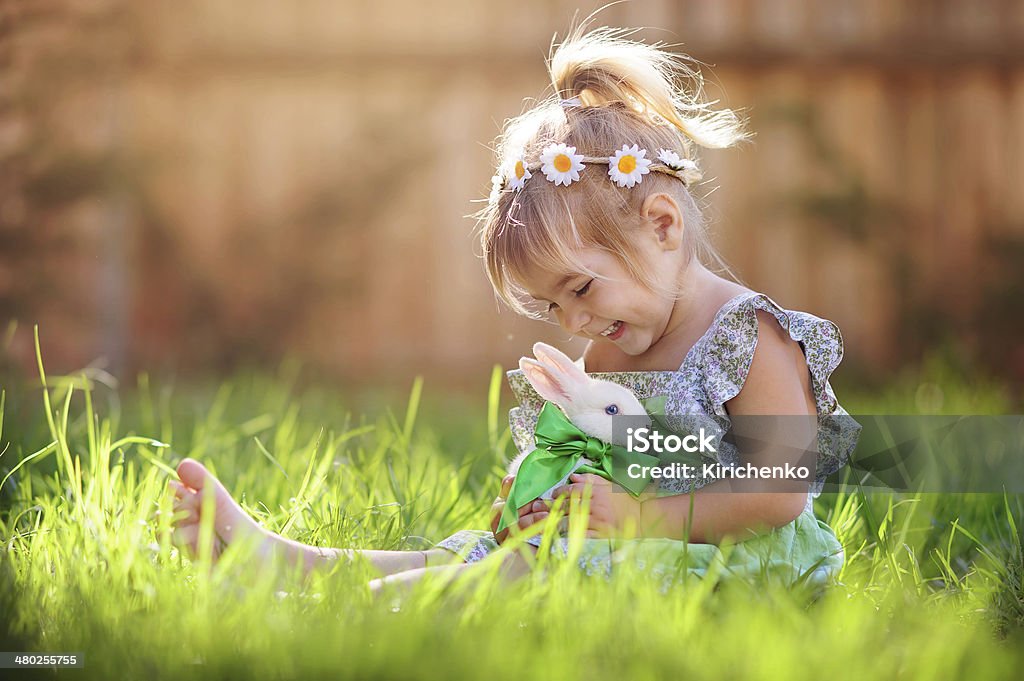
[{"x": 543, "y": 281}]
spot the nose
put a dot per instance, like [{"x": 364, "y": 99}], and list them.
[{"x": 575, "y": 319}]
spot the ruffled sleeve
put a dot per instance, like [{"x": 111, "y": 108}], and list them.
[
  {"x": 726, "y": 358},
  {"x": 522, "y": 420}
]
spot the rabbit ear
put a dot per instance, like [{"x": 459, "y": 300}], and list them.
[
  {"x": 560, "y": 365},
  {"x": 547, "y": 386},
  {"x": 581, "y": 364}
]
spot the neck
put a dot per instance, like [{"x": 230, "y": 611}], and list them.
[{"x": 696, "y": 288}]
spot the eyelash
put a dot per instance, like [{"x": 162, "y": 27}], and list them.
[{"x": 580, "y": 292}]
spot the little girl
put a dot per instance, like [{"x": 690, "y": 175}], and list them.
[{"x": 592, "y": 219}]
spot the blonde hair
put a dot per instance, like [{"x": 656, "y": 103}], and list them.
[{"x": 629, "y": 93}]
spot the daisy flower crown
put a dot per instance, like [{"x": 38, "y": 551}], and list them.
[{"x": 559, "y": 163}]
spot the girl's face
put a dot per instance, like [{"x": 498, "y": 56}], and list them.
[{"x": 615, "y": 308}]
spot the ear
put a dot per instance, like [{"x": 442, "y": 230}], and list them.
[
  {"x": 559, "y": 364},
  {"x": 546, "y": 385},
  {"x": 581, "y": 364},
  {"x": 665, "y": 219}
]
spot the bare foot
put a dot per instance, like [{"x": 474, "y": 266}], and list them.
[{"x": 230, "y": 523}]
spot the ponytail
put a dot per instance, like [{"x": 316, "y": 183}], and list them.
[{"x": 603, "y": 67}]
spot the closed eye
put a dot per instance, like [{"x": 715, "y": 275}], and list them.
[{"x": 579, "y": 293}]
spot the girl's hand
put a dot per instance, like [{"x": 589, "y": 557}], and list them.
[
  {"x": 613, "y": 510},
  {"x": 527, "y": 514}
]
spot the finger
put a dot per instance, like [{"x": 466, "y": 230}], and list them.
[
  {"x": 576, "y": 488},
  {"x": 528, "y": 508},
  {"x": 588, "y": 478},
  {"x": 539, "y": 505},
  {"x": 496, "y": 512},
  {"x": 532, "y": 519},
  {"x": 590, "y": 532},
  {"x": 506, "y": 486}
]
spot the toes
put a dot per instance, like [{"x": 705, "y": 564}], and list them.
[
  {"x": 188, "y": 508},
  {"x": 180, "y": 491},
  {"x": 196, "y": 476},
  {"x": 193, "y": 473},
  {"x": 230, "y": 518},
  {"x": 186, "y": 537}
]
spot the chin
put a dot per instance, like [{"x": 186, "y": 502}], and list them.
[
  {"x": 632, "y": 347},
  {"x": 632, "y": 350}
]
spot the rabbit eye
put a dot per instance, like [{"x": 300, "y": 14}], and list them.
[{"x": 611, "y": 410}]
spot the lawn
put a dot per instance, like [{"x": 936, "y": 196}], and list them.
[{"x": 931, "y": 588}]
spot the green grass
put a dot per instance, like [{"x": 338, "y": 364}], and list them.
[{"x": 931, "y": 588}]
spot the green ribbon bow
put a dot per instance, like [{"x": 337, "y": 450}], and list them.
[{"x": 560, "y": 445}]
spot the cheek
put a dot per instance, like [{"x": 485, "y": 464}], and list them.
[
  {"x": 555, "y": 317},
  {"x": 642, "y": 305}
]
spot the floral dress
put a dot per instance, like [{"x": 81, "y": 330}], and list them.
[{"x": 712, "y": 373}]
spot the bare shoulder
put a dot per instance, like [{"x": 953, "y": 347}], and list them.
[{"x": 779, "y": 381}]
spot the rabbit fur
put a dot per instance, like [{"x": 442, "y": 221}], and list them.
[{"x": 589, "y": 403}]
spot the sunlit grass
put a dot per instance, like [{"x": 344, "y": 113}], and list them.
[{"x": 931, "y": 588}]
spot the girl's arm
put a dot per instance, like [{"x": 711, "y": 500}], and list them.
[{"x": 778, "y": 384}]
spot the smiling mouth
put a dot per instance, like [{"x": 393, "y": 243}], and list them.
[{"x": 612, "y": 331}]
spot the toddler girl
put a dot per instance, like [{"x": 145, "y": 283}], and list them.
[{"x": 591, "y": 222}]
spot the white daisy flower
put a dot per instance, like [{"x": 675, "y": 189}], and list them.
[
  {"x": 519, "y": 175},
  {"x": 628, "y": 166},
  {"x": 674, "y": 161},
  {"x": 497, "y": 184},
  {"x": 561, "y": 164}
]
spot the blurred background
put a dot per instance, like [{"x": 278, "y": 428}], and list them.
[{"x": 200, "y": 186}]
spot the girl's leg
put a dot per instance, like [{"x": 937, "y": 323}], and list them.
[
  {"x": 231, "y": 524},
  {"x": 385, "y": 562},
  {"x": 513, "y": 566}
]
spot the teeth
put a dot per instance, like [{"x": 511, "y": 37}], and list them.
[{"x": 611, "y": 329}]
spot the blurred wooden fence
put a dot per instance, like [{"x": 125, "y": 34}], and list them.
[{"x": 188, "y": 184}]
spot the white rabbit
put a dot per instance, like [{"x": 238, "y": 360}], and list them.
[{"x": 589, "y": 403}]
